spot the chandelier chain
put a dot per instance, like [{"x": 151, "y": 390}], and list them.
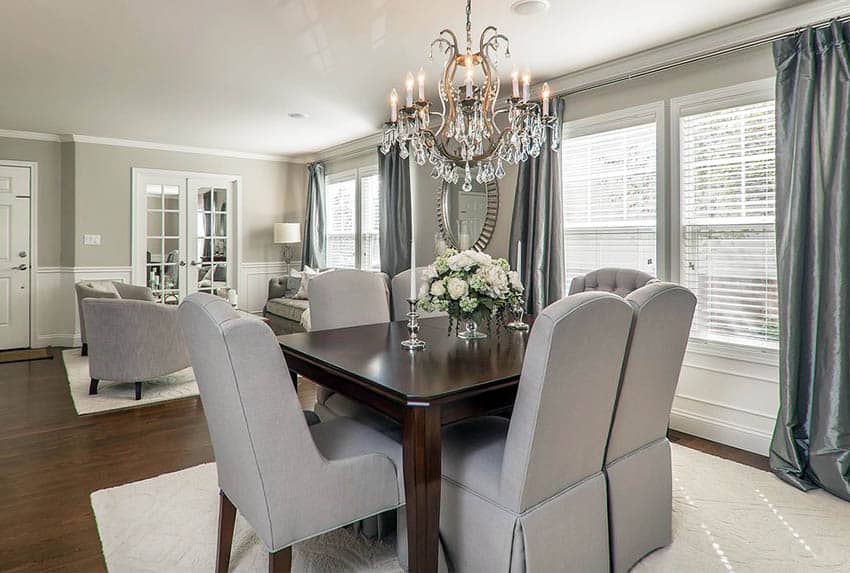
[{"x": 468, "y": 26}]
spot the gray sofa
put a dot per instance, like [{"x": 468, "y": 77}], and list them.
[{"x": 285, "y": 313}]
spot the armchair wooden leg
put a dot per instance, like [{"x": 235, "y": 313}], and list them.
[
  {"x": 93, "y": 386},
  {"x": 281, "y": 561},
  {"x": 226, "y": 521},
  {"x": 85, "y": 350},
  {"x": 138, "y": 390}
]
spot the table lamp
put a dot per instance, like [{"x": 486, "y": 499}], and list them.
[{"x": 287, "y": 234}]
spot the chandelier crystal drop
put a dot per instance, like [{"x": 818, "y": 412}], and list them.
[{"x": 475, "y": 138}]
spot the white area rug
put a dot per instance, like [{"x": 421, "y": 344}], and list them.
[
  {"x": 726, "y": 517},
  {"x": 118, "y": 396}
]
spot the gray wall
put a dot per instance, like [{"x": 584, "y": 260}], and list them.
[
  {"x": 274, "y": 192},
  {"x": 48, "y": 155}
]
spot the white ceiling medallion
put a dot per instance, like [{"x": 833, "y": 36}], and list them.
[
  {"x": 529, "y": 7},
  {"x": 476, "y": 129}
]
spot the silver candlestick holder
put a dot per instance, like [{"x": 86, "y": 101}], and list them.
[
  {"x": 518, "y": 324},
  {"x": 413, "y": 341}
]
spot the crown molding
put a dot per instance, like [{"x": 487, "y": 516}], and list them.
[
  {"x": 349, "y": 148},
  {"x": 780, "y": 22},
  {"x": 31, "y": 135}
]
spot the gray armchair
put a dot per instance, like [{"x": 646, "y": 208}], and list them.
[
  {"x": 132, "y": 341},
  {"x": 618, "y": 281},
  {"x": 638, "y": 458},
  {"x": 105, "y": 289},
  {"x": 401, "y": 290},
  {"x": 528, "y": 494},
  {"x": 291, "y": 482},
  {"x": 348, "y": 298}
]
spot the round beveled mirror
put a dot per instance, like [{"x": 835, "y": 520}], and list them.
[{"x": 467, "y": 218}]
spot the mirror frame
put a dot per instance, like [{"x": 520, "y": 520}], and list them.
[{"x": 492, "y": 192}]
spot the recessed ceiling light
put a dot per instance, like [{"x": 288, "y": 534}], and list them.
[
  {"x": 529, "y": 7},
  {"x": 298, "y": 115}
]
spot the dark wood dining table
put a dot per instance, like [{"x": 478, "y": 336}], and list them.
[{"x": 450, "y": 380}]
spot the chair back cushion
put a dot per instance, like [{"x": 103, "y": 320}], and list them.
[
  {"x": 618, "y": 281},
  {"x": 566, "y": 395},
  {"x": 662, "y": 324},
  {"x": 92, "y": 289},
  {"x": 401, "y": 290},
  {"x": 348, "y": 298},
  {"x": 262, "y": 445}
]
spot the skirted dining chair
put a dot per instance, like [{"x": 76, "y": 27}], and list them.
[
  {"x": 528, "y": 494},
  {"x": 637, "y": 462},
  {"x": 339, "y": 299},
  {"x": 289, "y": 480},
  {"x": 618, "y": 281},
  {"x": 401, "y": 290},
  {"x": 105, "y": 289}
]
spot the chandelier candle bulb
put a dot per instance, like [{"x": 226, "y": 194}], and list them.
[
  {"x": 545, "y": 99},
  {"x": 468, "y": 83},
  {"x": 421, "y": 78},
  {"x": 526, "y": 86},
  {"x": 515, "y": 84},
  {"x": 409, "y": 85},
  {"x": 394, "y": 106}
]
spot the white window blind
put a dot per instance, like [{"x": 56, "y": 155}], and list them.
[
  {"x": 609, "y": 200},
  {"x": 728, "y": 254},
  {"x": 351, "y": 219}
]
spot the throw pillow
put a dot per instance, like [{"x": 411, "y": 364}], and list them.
[{"x": 304, "y": 288}]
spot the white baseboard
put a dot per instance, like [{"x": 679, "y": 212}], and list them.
[{"x": 721, "y": 431}]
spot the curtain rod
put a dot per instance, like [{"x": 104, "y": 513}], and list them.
[{"x": 698, "y": 58}]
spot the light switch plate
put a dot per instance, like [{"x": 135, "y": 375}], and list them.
[{"x": 93, "y": 240}]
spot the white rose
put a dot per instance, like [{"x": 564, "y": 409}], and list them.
[
  {"x": 481, "y": 259},
  {"x": 457, "y": 288},
  {"x": 460, "y": 262},
  {"x": 438, "y": 288}
]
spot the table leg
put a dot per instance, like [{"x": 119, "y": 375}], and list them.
[
  {"x": 422, "y": 444},
  {"x": 294, "y": 375}
]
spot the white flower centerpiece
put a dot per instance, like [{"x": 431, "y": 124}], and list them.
[{"x": 473, "y": 288}]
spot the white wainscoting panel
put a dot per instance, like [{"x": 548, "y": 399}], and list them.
[
  {"x": 254, "y": 283},
  {"x": 58, "y": 320},
  {"x": 727, "y": 400}
]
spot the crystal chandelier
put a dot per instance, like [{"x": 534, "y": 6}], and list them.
[{"x": 469, "y": 137}]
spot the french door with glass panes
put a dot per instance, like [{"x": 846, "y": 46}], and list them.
[{"x": 183, "y": 240}]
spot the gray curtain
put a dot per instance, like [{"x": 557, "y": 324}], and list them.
[
  {"x": 811, "y": 443},
  {"x": 395, "y": 216},
  {"x": 538, "y": 222},
  {"x": 313, "y": 248}
]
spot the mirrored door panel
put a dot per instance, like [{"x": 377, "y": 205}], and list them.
[{"x": 211, "y": 261}]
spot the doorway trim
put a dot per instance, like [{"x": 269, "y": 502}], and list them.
[
  {"x": 33, "y": 270},
  {"x": 136, "y": 173}
]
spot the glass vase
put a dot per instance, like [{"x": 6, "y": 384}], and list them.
[{"x": 470, "y": 331}]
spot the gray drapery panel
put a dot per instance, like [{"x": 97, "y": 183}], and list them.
[
  {"x": 313, "y": 247},
  {"x": 395, "y": 211},
  {"x": 811, "y": 443},
  {"x": 538, "y": 222}
]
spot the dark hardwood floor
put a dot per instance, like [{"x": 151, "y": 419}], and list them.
[{"x": 51, "y": 459}]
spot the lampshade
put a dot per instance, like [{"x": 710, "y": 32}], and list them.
[{"x": 287, "y": 232}]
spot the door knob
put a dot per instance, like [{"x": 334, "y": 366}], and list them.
[
  {"x": 20, "y": 267},
  {"x": 193, "y": 263},
  {"x": 182, "y": 263}
]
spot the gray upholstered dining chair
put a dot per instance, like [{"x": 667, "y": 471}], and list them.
[
  {"x": 339, "y": 299},
  {"x": 528, "y": 494},
  {"x": 618, "y": 281},
  {"x": 401, "y": 291},
  {"x": 291, "y": 482},
  {"x": 105, "y": 289},
  {"x": 132, "y": 341},
  {"x": 637, "y": 461}
]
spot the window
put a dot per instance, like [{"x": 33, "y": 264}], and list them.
[
  {"x": 727, "y": 240},
  {"x": 352, "y": 219},
  {"x": 609, "y": 192}
]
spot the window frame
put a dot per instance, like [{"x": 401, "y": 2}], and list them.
[
  {"x": 758, "y": 91},
  {"x": 622, "y": 119},
  {"x": 356, "y": 174}
]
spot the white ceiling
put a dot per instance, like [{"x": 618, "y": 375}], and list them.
[{"x": 225, "y": 73}]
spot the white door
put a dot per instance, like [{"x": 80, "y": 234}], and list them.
[
  {"x": 14, "y": 257},
  {"x": 210, "y": 226}
]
